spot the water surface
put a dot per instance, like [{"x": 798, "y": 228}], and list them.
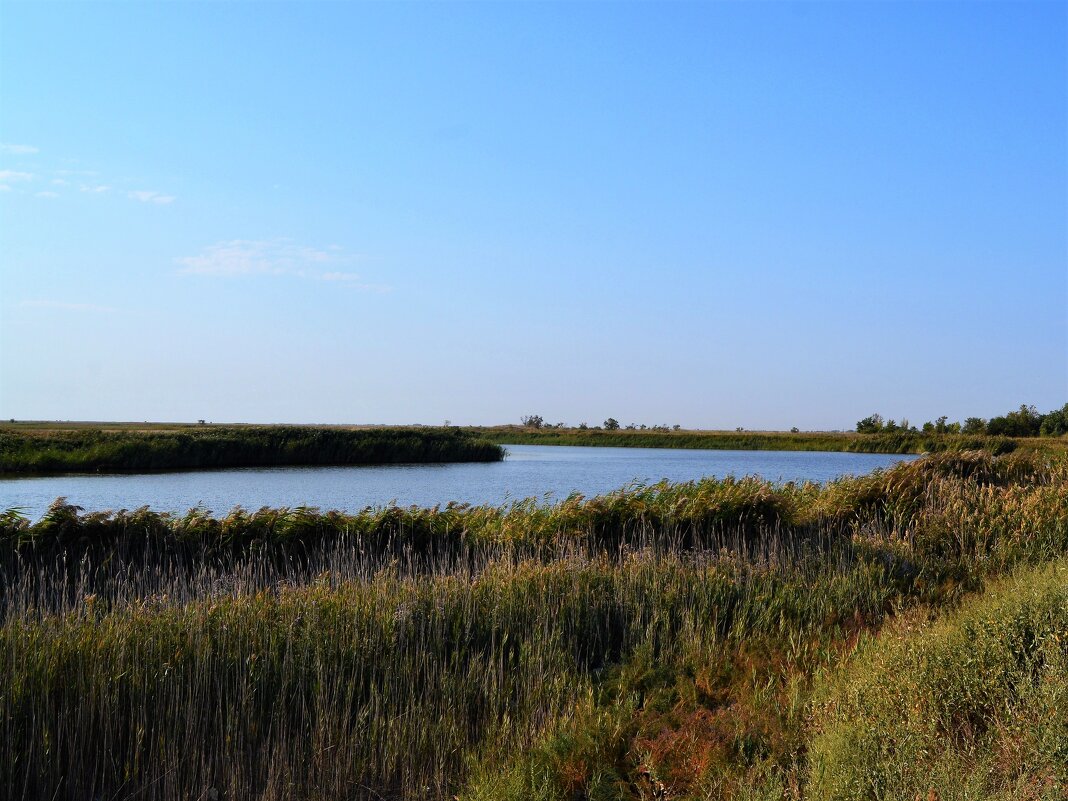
[{"x": 546, "y": 472}]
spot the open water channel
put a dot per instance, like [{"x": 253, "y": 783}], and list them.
[{"x": 545, "y": 472}]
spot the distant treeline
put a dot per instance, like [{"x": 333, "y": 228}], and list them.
[
  {"x": 97, "y": 450},
  {"x": 897, "y": 440},
  {"x": 1024, "y": 422}
]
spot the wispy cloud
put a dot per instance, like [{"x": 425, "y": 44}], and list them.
[
  {"x": 239, "y": 257},
  {"x": 354, "y": 280},
  {"x": 151, "y": 196},
  {"x": 88, "y": 182},
  {"x": 18, "y": 150},
  {"x": 63, "y": 306},
  {"x": 250, "y": 257}
]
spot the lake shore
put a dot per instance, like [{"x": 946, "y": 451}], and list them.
[{"x": 840, "y": 441}]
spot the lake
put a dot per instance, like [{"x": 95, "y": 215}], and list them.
[{"x": 547, "y": 472}]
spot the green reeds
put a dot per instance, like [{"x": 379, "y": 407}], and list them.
[
  {"x": 127, "y": 450},
  {"x": 893, "y": 442},
  {"x": 659, "y": 642}
]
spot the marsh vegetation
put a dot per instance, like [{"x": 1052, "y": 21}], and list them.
[
  {"x": 717, "y": 639},
  {"x": 899, "y": 441},
  {"x": 53, "y": 449}
]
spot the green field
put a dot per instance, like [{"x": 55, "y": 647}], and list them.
[{"x": 887, "y": 636}]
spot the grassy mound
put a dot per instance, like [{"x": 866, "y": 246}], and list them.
[{"x": 974, "y": 706}]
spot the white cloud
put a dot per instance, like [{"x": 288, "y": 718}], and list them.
[
  {"x": 273, "y": 257},
  {"x": 249, "y": 257},
  {"x": 58, "y": 304},
  {"x": 5, "y": 188},
  {"x": 47, "y": 194},
  {"x": 58, "y": 182},
  {"x": 18, "y": 150},
  {"x": 150, "y": 196},
  {"x": 353, "y": 280},
  {"x": 94, "y": 190},
  {"x": 12, "y": 175}
]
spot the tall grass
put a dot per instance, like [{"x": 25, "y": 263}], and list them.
[
  {"x": 127, "y": 450},
  {"x": 973, "y": 706},
  {"x": 660, "y": 642}
]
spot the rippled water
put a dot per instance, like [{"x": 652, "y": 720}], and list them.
[{"x": 544, "y": 472}]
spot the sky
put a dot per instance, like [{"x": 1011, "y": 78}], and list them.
[{"x": 714, "y": 215}]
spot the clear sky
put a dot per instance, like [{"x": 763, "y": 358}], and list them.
[{"x": 717, "y": 215}]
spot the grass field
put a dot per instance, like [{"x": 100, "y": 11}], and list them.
[{"x": 714, "y": 640}]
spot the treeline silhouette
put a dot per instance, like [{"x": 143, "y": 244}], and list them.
[{"x": 1026, "y": 421}]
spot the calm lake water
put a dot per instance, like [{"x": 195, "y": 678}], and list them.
[{"x": 547, "y": 472}]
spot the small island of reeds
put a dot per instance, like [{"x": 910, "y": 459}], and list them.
[{"x": 50, "y": 448}]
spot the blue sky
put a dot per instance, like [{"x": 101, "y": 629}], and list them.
[{"x": 717, "y": 215}]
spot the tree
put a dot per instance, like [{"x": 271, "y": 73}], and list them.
[
  {"x": 533, "y": 421},
  {"x": 611, "y": 424},
  {"x": 1024, "y": 422},
  {"x": 1055, "y": 424},
  {"x": 974, "y": 425},
  {"x": 872, "y": 424}
]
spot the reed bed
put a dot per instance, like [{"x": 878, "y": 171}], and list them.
[
  {"x": 26, "y": 450},
  {"x": 659, "y": 642},
  {"x": 847, "y": 441}
]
